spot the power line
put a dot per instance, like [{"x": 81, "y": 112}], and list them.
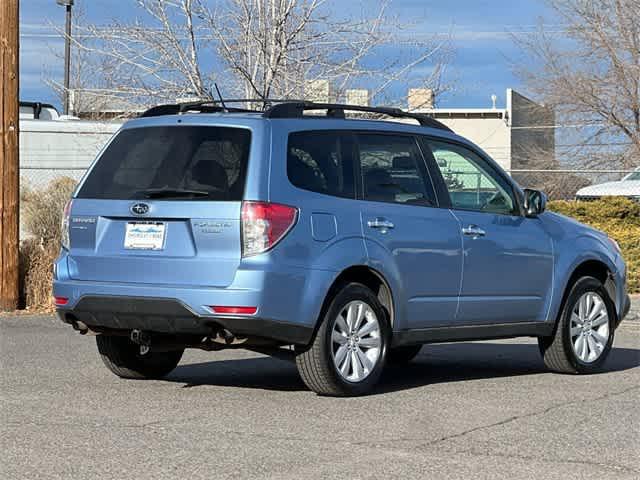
[
  {"x": 582, "y": 171},
  {"x": 543, "y": 127},
  {"x": 461, "y": 33},
  {"x": 573, "y": 145}
]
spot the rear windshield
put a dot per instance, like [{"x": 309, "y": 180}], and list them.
[{"x": 176, "y": 162}]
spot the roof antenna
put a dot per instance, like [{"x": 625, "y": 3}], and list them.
[{"x": 220, "y": 97}]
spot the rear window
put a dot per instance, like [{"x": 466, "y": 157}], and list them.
[{"x": 199, "y": 163}]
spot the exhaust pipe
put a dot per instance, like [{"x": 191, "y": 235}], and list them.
[
  {"x": 76, "y": 324},
  {"x": 79, "y": 327},
  {"x": 227, "y": 336},
  {"x": 140, "y": 337}
]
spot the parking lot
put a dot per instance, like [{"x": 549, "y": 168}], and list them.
[{"x": 473, "y": 410}]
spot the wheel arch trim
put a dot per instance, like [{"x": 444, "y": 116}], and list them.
[
  {"x": 591, "y": 265},
  {"x": 354, "y": 273}
]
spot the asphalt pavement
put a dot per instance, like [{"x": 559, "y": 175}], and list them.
[{"x": 481, "y": 410}]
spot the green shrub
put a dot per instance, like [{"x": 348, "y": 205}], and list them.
[{"x": 617, "y": 217}]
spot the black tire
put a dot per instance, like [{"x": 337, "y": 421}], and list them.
[
  {"x": 123, "y": 358},
  {"x": 557, "y": 351},
  {"x": 402, "y": 355},
  {"x": 315, "y": 363}
]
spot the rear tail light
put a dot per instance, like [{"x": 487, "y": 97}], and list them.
[
  {"x": 234, "y": 310},
  {"x": 264, "y": 224},
  {"x": 60, "y": 301},
  {"x": 64, "y": 227}
]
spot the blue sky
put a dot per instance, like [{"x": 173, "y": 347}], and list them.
[{"x": 480, "y": 28}]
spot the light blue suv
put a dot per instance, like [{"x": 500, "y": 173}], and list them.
[{"x": 344, "y": 244}]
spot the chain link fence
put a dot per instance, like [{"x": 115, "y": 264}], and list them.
[
  {"x": 39, "y": 177},
  {"x": 559, "y": 184}
]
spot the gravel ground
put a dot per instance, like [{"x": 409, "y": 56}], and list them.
[{"x": 481, "y": 410}]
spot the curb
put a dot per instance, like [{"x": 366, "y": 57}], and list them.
[{"x": 634, "y": 314}]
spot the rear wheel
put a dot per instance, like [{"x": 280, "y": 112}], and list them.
[
  {"x": 129, "y": 360},
  {"x": 347, "y": 355},
  {"x": 403, "y": 355},
  {"x": 583, "y": 335}
]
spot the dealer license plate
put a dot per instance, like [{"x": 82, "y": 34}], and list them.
[{"x": 145, "y": 235}]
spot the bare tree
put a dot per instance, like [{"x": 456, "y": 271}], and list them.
[
  {"x": 157, "y": 56},
  {"x": 277, "y": 47},
  {"x": 256, "y": 49},
  {"x": 590, "y": 74},
  {"x": 86, "y": 70}
]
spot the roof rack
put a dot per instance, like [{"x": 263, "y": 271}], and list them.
[
  {"x": 277, "y": 108},
  {"x": 205, "y": 106},
  {"x": 213, "y": 106},
  {"x": 294, "y": 109}
]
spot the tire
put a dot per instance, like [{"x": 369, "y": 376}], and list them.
[
  {"x": 563, "y": 352},
  {"x": 319, "y": 364},
  {"x": 123, "y": 358},
  {"x": 402, "y": 355}
]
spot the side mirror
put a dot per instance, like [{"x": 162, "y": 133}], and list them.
[{"x": 535, "y": 202}]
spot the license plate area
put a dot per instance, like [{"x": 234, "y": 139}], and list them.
[{"x": 145, "y": 235}]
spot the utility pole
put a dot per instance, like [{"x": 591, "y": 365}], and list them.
[
  {"x": 9, "y": 196},
  {"x": 67, "y": 4}
]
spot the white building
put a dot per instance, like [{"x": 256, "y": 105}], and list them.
[
  {"x": 512, "y": 136},
  {"x": 52, "y": 146}
]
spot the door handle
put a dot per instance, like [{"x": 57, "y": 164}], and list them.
[
  {"x": 380, "y": 223},
  {"x": 473, "y": 231}
]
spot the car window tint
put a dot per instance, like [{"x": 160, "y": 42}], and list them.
[
  {"x": 472, "y": 185},
  {"x": 320, "y": 162},
  {"x": 212, "y": 160},
  {"x": 392, "y": 170}
]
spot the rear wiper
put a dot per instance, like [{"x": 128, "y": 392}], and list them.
[{"x": 172, "y": 193}]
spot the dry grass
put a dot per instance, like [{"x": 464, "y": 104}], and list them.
[{"x": 41, "y": 212}]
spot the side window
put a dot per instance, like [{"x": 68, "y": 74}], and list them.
[
  {"x": 393, "y": 170},
  {"x": 472, "y": 185},
  {"x": 321, "y": 162}
]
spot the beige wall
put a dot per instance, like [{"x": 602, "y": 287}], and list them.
[
  {"x": 50, "y": 149},
  {"x": 500, "y": 134},
  {"x": 493, "y": 135}
]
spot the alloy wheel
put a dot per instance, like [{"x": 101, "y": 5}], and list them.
[
  {"x": 356, "y": 341},
  {"x": 589, "y": 327}
]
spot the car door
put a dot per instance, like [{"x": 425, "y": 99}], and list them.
[
  {"x": 405, "y": 232},
  {"x": 508, "y": 258}
]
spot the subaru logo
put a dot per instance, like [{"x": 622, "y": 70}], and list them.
[{"x": 139, "y": 209}]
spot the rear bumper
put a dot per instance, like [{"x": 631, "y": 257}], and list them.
[
  {"x": 171, "y": 316},
  {"x": 288, "y": 299}
]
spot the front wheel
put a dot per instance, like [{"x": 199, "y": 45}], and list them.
[
  {"x": 128, "y": 360},
  {"x": 348, "y": 352},
  {"x": 583, "y": 335}
]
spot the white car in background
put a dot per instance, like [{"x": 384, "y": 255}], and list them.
[{"x": 628, "y": 187}]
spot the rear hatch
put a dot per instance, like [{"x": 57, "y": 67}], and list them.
[{"x": 162, "y": 206}]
